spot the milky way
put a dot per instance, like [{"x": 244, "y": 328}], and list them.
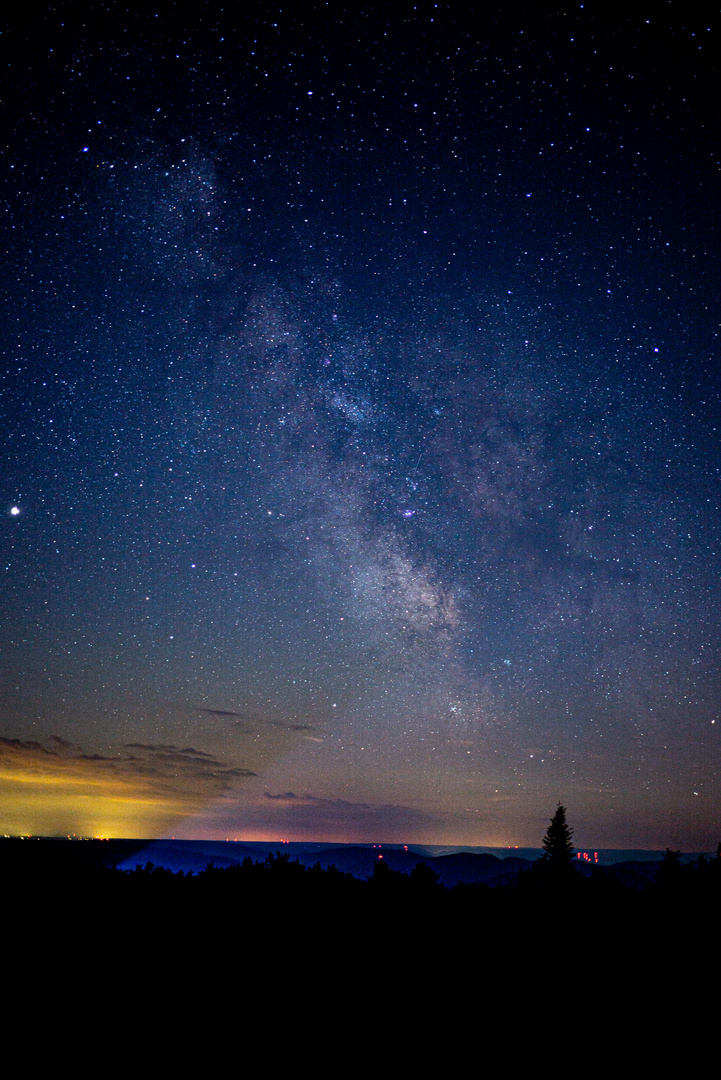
[{"x": 360, "y": 407}]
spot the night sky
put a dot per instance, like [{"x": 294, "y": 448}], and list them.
[{"x": 360, "y": 408}]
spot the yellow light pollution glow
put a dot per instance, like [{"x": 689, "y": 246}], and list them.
[{"x": 56, "y": 789}]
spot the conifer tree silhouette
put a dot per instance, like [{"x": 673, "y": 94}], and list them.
[{"x": 557, "y": 846}]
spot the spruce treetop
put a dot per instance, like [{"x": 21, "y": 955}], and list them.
[{"x": 557, "y": 846}]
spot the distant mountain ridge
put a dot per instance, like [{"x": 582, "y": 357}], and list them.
[{"x": 460, "y": 867}]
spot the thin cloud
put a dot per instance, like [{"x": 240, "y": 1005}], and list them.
[
  {"x": 58, "y": 786},
  {"x": 251, "y": 718},
  {"x": 345, "y": 806},
  {"x": 306, "y": 816},
  {"x": 222, "y": 712}
]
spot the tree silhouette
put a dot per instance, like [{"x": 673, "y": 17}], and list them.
[
  {"x": 557, "y": 846},
  {"x": 423, "y": 876},
  {"x": 670, "y": 872}
]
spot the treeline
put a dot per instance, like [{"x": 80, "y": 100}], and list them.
[
  {"x": 281, "y": 934},
  {"x": 61, "y": 899},
  {"x": 41, "y": 864}
]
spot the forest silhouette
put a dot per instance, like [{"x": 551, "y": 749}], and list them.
[
  {"x": 79, "y": 873},
  {"x": 274, "y": 924}
]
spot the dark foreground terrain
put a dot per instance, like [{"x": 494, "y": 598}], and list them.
[
  {"x": 275, "y": 943},
  {"x": 63, "y": 881}
]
